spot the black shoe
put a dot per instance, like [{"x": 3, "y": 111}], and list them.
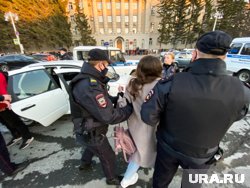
[
  {"x": 113, "y": 181},
  {"x": 19, "y": 167},
  {"x": 86, "y": 166}
]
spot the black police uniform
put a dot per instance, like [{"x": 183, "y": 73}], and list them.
[
  {"x": 194, "y": 110},
  {"x": 90, "y": 92}
]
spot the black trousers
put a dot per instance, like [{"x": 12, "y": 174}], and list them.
[
  {"x": 14, "y": 124},
  {"x": 167, "y": 164},
  {"x": 106, "y": 155},
  {"x": 5, "y": 165}
]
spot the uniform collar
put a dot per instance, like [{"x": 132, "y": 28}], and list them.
[
  {"x": 208, "y": 66},
  {"x": 89, "y": 69}
]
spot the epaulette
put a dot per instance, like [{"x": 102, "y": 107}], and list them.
[
  {"x": 166, "y": 79},
  {"x": 93, "y": 82}
]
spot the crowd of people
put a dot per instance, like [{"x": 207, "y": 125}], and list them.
[{"x": 174, "y": 118}]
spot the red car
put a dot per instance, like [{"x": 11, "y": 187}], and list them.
[{"x": 44, "y": 57}]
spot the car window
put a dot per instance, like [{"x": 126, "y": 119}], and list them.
[
  {"x": 235, "y": 48},
  {"x": 82, "y": 55},
  {"x": 9, "y": 58},
  {"x": 31, "y": 83},
  {"x": 246, "y": 49}
]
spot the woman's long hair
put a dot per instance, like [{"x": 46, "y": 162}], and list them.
[{"x": 148, "y": 69}]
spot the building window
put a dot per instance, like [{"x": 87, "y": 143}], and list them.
[
  {"x": 109, "y": 18},
  {"x": 135, "y": 6},
  {"x": 70, "y": 6},
  {"x": 134, "y": 18},
  {"x": 102, "y": 30},
  {"x": 111, "y": 43},
  {"x": 118, "y": 5},
  {"x": 127, "y": 44},
  {"x": 100, "y": 18},
  {"x": 142, "y": 43},
  {"x": 134, "y": 30},
  {"x": 99, "y": 5},
  {"x": 118, "y": 18},
  {"x": 150, "y": 41},
  {"x": 110, "y": 30},
  {"x": 135, "y": 44},
  {"x": 126, "y": 19},
  {"x": 72, "y": 18},
  {"x": 108, "y": 5},
  {"x": 118, "y": 30},
  {"x": 126, "y": 30},
  {"x": 126, "y": 6},
  {"x": 102, "y": 42}
]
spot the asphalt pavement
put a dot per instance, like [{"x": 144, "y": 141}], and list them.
[{"x": 54, "y": 159}]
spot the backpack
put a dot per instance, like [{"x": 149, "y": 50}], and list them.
[{"x": 123, "y": 142}]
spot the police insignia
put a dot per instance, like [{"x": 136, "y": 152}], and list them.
[
  {"x": 150, "y": 94},
  {"x": 101, "y": 101}
]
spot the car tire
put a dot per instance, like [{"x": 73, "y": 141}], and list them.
[
  {"x": 244, "y": 75},
  {"x": 4, "y": 68}
]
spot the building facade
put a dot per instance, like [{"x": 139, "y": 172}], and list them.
[{"x": 126, "y": 24}]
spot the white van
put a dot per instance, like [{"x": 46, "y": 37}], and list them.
[
  {"x": 122, "y": 67},
  {"x": 238, "y": 58}
]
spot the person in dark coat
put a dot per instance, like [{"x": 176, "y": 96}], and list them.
[
  {"x": 89, "y": 92},
  {"x": 194, "y": 110},
  {"x": 169, "y": 65},
  {"x": 6, "y": 166},
  {"x": 64, "y": 54}
]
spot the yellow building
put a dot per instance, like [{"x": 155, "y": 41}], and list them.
[{"x": 126, "y": 24}]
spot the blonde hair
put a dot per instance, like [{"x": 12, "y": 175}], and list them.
[{"x": 171, "y": 54}]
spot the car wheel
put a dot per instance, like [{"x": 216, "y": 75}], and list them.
[
  {"x": 5, "y": 68},
  {"x": 27, "y": 121},
  {"x": 244, "y": 75}
]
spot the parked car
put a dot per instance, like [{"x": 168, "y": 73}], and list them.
[
  {"x": 15, "y": 61},
  {"x": 183, "y": 59},
  {"x": 40, "y": 91},
  {"x": 44, "y": 57}
]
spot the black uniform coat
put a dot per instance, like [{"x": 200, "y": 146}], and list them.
[
  {"x": 91, "y": 94},
  {"x": 195, "y": 108}
]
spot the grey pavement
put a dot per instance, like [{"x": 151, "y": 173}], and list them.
[{"x": 54, "y": 159}]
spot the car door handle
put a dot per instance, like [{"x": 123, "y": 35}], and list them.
[{"x": 28, "y": 107}]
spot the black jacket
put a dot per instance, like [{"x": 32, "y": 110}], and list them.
[
  {"x": 195, "y": 108},
  {"x": 92, "y": 95},
  {"x": 66, "y": 56}
]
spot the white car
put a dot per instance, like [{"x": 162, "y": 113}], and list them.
[{"x": 40, "y": 91}]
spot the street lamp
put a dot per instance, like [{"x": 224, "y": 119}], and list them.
[
  {"x": 217, "y": 15},
  {"x": 14, "y": 17}
]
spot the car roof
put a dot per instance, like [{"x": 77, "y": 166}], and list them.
[
  {"x": 87, "y": 48},
  {"x": 59, "y": 63},
  {"x": 24, "y": 69}
]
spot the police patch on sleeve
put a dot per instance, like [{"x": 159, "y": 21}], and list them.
[
  {"x": 150, "y": 94},
  {"x": 101, "y": 101}
]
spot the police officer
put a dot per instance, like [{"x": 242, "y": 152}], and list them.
[
  {"x": 97, "y": 111},
  {"x": 194, "y": 110}
]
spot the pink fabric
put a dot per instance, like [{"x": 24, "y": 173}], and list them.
[{"x": 123, "y": 142}]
